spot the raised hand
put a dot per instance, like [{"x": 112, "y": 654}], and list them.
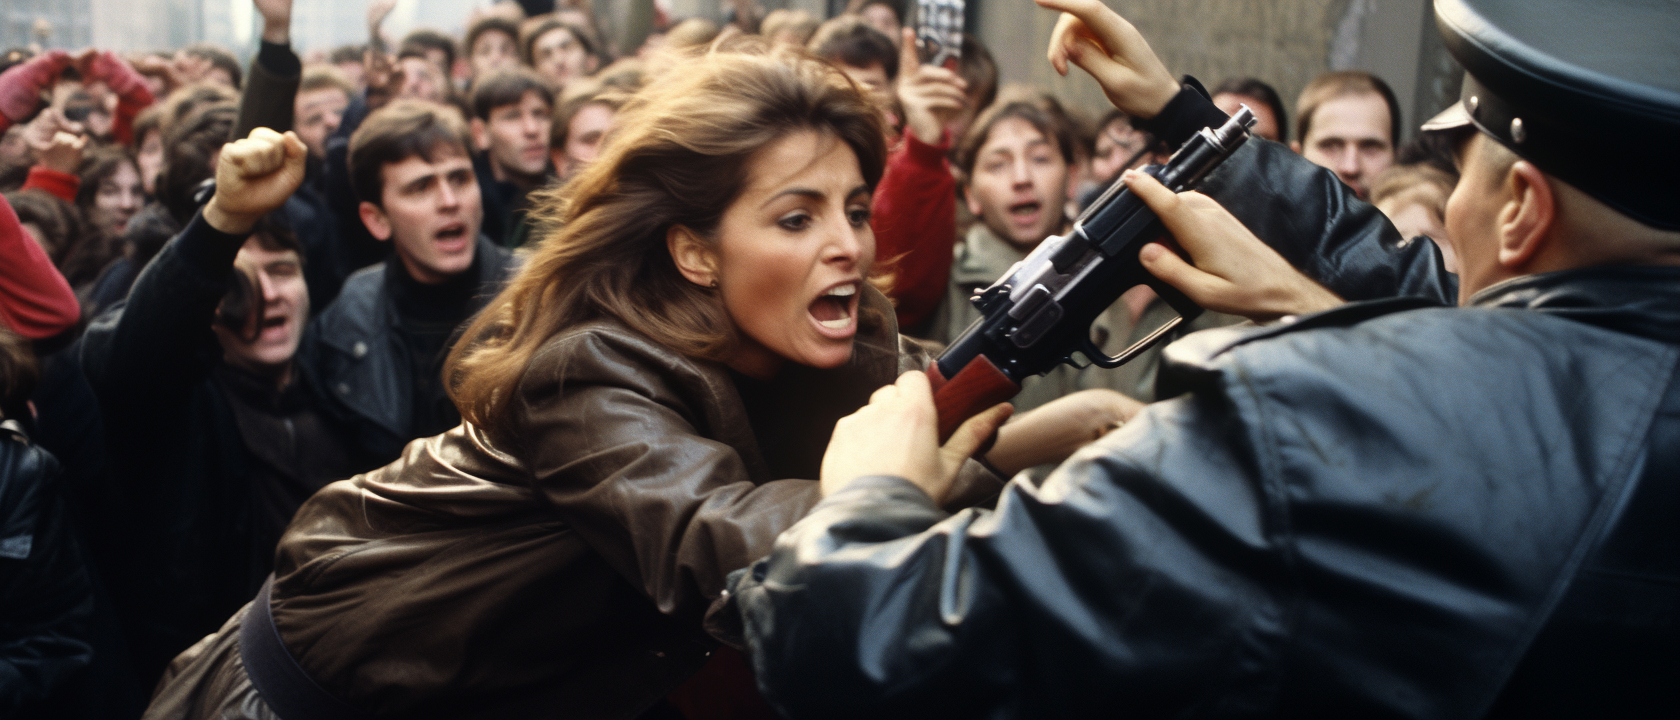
[
  {"x": 1103, "y": 44},
  {"x": 21, "y": 86},
  {"x": 931, "y": 95},
  {"x": 62, "y": 152},
  {"x": 185, "y": 69},
  {"x": 253, "y": 177},
  {"x": 277, "y": 19},
  {"x": 1233, "y": 272},
  {"x": 895, "y": 434},
  {"x": 40, "y": 133},
  {"x": 107, "y": 67},
  {"x": 378, "y": 10}
]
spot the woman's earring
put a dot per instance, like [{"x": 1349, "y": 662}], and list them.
[{"x": 714, "y": 284}]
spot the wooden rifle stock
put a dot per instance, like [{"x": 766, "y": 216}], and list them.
[{"x": 978, "y": 386}]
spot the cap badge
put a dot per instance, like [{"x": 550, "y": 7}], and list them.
[{"x": 1518, "y": 134}]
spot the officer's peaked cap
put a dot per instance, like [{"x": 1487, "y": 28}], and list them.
[{"x": 1587, "y": 91}]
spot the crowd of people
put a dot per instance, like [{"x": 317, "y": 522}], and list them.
[{"x": 517, "y": 374}]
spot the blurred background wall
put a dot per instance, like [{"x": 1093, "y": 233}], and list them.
[{"x": 1284, "y": 42}]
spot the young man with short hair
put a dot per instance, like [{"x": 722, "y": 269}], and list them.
[
  {"x": 492, "y": 44},
  {"x": 1349, "y": 122},
  {"x": 322, "y": 96},
  {"x": 512, "y": 119},
  {"x": 377, "y": 352}
]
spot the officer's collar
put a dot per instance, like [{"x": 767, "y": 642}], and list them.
[{"x": 1640, "y": 300}]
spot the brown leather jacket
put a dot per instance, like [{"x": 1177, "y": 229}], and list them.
[{"x": 563, "y": 575}]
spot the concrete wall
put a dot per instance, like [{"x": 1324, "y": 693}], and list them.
[
  {"x": 1283, "y": 42},
  {"x": 44, "y": 23}
]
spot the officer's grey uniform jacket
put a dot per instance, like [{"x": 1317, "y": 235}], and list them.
[{"x": 1393, "y": 509}]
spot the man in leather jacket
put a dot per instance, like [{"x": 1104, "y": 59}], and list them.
[
  {"x": 1379, "y": 508},
  {"x": 376, "y": 353}
]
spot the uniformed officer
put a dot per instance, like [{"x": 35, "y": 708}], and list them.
[{"x": 1382, "y": 508}]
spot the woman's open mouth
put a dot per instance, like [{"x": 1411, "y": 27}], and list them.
[{"x": 836, "y": 308}]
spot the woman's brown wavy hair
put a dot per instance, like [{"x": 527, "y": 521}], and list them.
[{"x": 678, "y": 155}]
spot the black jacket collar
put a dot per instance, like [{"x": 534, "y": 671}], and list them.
[{"x": 1638, "y": 300}]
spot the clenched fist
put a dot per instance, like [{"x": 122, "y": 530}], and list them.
[{"x": 253, "y": 177}]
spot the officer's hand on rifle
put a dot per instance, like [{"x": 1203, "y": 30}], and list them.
[
  {"x": 253, "y": 177},
  {"x": 1230, "y": 270}
]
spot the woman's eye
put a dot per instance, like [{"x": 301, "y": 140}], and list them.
[
  {"x": 859, "y": 216},
  {"x": 795, "y": 222}
]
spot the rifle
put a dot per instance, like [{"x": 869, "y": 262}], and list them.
[{"x": 1040, "y": 312}]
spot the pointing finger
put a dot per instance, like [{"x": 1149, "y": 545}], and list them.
[
  {"x": 908, "y": 58},
  {"x": 1104, "y": 24}
]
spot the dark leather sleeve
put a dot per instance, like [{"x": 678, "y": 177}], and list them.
[
  {"x": 46, "y": 596},
  {"x": 1317, "y": 223},
  {"x": 1307, "y": 214},
  {"x": 620, "y": 442},
  {"x": 270, "y": 91},
  {"x": 1020, "y": 612},
  {"x": 1316, "y": 530}
]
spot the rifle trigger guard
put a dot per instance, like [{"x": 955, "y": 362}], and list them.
[{"x": 1100, "y": 360}]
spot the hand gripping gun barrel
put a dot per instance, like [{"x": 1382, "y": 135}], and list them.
[{"x": 1040, "y": 312}]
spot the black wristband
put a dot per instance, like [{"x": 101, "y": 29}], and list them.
[
  {"x": 279, "y": 59},
  {"x": 1186, "y": 114}
]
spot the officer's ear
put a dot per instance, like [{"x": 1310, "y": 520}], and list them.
[{"x": 1528, "y": 216}]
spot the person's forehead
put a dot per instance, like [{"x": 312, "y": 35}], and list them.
[
  {"x": 591, "y": 115},
  {"x": 323, "y": 96},
  {"x": 489, "y": 39},
  {"x": 1011, "y": 134},
  {"x": 1351, "y": 115},
  {"x": 252, "y": 252},
  {"x": 122, "y": 175},
  {"x": 556, "y": 38},
  {"x": 525, "y": 102},
  {"x": 804, "y": 157},
  {"x": 445, "y": 158}
]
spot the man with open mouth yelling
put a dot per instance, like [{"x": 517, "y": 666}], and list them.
[{"x": 376, "y": 353}]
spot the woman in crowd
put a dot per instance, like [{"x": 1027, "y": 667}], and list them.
[
  {"x": 111, "y": 191},
  {"x": 688, "y": 335}
]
